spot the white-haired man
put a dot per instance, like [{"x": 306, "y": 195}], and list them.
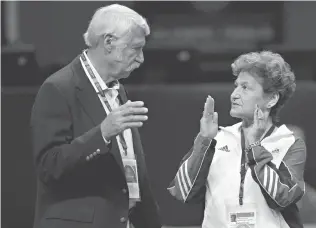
[{"x": 87, "y": 150}]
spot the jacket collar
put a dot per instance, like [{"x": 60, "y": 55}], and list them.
[
  {"x": 88, "y": 96},
  {"x": 280, "y": 132}
]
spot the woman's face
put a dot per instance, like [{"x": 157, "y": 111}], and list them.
[{"x": 247, "y": 93}]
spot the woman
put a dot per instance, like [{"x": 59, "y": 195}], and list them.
[{"x": 249, "y": 174}]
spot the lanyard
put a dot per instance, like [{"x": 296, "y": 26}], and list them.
[
  {"x": 106, "y": 102},
  {"x": 244, "y": 162},
  {"x": 91, "y": 74}
]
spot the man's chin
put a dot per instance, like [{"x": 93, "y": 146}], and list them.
[{"x": 125, "y": 75}]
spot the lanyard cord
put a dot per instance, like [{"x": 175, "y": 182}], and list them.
[
  {"x": 106, "y": 102},
  {"x": 244, "y": 162}
]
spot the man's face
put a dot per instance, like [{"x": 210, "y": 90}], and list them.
[
  {"x": 247, "y": 93},
  {"x": 127, "y": 54}
]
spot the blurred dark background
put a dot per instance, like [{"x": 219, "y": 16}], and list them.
[{"x": 187, "y": 56}]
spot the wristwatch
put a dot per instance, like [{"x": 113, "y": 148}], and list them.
[{"x": 257, "y": 143}]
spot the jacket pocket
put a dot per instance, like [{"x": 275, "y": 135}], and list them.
[{"x": 71, "y": 212}]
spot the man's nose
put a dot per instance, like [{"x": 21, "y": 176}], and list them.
[{"x": 140, "y": 57}]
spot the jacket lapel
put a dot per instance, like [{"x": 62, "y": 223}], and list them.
[
  {"x": 138, "y": 149},
  {"x": 122, "y": 95},
  {"x": 94, "y": 109},
  {"x": 87, "y": 95},
  {"x": 135, "y": 133}
]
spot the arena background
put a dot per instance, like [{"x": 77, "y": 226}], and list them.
[{"x": 187, "y": 57}]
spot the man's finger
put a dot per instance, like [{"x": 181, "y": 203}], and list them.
[
  {"x": 134, "y": 110},
  {"x": 132, "y": 124},
  {"x": 135, "y": 118},
  {"x": 132, "y": 104}
]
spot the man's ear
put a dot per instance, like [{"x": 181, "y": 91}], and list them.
[
  {"x": 108, "y": 43},
  {"x": 273, "y": 100}
]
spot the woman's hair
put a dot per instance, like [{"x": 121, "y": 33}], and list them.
[
  {"x": 275, "y": 72},
  {"x": 115, "y": 20}
]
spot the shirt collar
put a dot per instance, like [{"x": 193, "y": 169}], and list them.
[{"x": 112, "y": 85}]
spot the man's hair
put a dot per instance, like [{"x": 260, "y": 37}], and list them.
[
  {"x": 114, "y": 20},
  {"x": 276, "y": 74}
]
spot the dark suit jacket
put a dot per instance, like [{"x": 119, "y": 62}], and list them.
[{"x": 73, "y": 191}]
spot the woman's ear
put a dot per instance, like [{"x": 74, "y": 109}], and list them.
[{"x": 273, "y": 100}]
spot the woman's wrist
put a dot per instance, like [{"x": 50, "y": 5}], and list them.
[{"x": 253, "y": 144}]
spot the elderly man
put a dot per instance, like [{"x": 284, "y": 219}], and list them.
[{"x": 87, "y": 150}]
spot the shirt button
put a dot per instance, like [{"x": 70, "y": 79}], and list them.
[
  {"x": 95, "y": 153},
  {"x": 98, "y": 151},
  {"x": 87, "y": 158},
  {"x": 122, "y": 219},
  {"x": 124, "y": 190}
]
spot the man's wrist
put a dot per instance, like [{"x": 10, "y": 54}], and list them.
[{"x": 105, "y": 138}]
